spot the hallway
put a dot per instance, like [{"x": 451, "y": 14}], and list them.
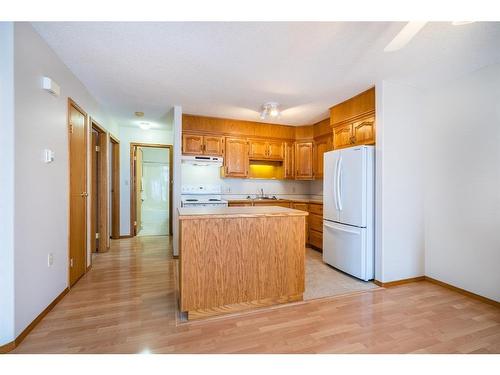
[{"x": 126, "y": 304}]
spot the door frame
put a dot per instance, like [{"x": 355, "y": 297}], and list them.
[
  {"x": 133, "y": 145},
  {"x": 103, "y": 191},
  {"x": 72, "y": 103},
  {"x": 115, "y": 186}
]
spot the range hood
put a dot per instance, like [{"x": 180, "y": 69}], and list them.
[{"x": 215, "y": 161}]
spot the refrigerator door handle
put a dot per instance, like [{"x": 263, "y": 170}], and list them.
[
  {"x": 339, "y": 185},
  {"x": 335, "y": 184}
]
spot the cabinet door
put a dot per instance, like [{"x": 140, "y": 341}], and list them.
[
  {"x": 304, "y": 161},
  {"x": 258, "y": 149},
  {"x": 289, "y": 162},
  {"x": 321, "y": 145},
  {"x": 275, "y": 150},
  {"x": 342, "y": 136},
  {"x": 213, "y": 145},
  {"x": 192, "y": 144},
  {"x": 236, "y": 157},
  {"x": 364, "y": 131}
]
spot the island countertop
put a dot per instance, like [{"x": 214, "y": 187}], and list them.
[{"x": 186, "y": 213}]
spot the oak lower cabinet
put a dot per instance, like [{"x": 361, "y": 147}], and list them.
[
  {"x": 304, "y": 161},
  {"x": 271, "y": 203},
  {"x": 302, "y": 207},
  {"x": 236, "y": 157},
  {"x": 321, "y": 145},
  {"x": 194, "y": 144},
  {"x": 315, "y": 220}
]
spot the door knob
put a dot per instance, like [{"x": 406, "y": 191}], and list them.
[{"x": 84, "y": 194}]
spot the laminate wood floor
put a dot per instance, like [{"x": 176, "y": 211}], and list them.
[{"x": 127, "y": 304}]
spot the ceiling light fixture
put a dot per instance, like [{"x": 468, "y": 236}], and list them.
[
  {"x": 145, "y": 125},
  {"x": 270, "y": 110}
]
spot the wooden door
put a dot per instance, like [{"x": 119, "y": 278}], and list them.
[
  {"x": 258, "y": 149},
  {"x": 192, "y": 144},
  {"x": 78, "y": 193},
  {"x": 342, "y": 136},
  {"x": 138, "y": 189},
  {"x": 275, "y": 150},
  {"x": 236, "y": 158},
  {"x": 115, "y": 190},
  {"x": 303, "y": 161},
  {"x": 364, "y": 131},
  {"x": 289, "y": 163},
  {"x": 94, "y": 192},
  {"x": 321, "y": 145},
  {"x": 213, "y": 145}
]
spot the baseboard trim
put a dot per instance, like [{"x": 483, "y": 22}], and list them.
[
  {"x": 399, "y": 282},
  {"x": 126, "y": 236},
  {"x": 463, "y": 291},
  {"x": 13, "y": 344}
]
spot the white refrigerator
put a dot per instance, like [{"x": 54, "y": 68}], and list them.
[{"x": 348, "y": 212}]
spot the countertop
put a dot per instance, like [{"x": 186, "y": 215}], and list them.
[
  {"x": 297, "y": 200},
  {"x": 186, "y": 213}
]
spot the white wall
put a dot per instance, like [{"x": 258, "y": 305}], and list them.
[
  {"x": 129, "y": 135},
  {"x": 175, "y": 116},
  {"x": 41, "y": 201},
  {"x": 462, "y": 174},
  {"x": 399, "y": 221},
  {"x": 6, "y": 182}
]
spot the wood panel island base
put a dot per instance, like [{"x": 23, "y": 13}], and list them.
[{"x": 239, "y": 258}]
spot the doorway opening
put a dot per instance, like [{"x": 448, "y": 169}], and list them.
[
  {"x": 99, "y": 237},
  {"x": 77, "y": 137},
  {"x": 151, "y": 189},
  {"x": 114, "y": 197}
]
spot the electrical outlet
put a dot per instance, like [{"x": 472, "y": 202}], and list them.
[{"x": 50, "y": 260}]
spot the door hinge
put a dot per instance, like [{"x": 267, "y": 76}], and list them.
[
  {"x": 135, "y": 157},
  {"x": 71, "y": 128},
  {"x": 71, "y": 262},
  {"x": 97, "y": 149},
  {"x": 97, "y": 236},
  {"x": 135, "y": 223}
]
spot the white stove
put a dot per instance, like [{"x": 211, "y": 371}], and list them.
[{"x": 202, "y": 195}]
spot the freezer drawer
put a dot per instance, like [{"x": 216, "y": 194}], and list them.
[{"x": 345, "y": 247}]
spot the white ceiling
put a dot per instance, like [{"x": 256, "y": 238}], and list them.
[{"x": 230, "y": 69}]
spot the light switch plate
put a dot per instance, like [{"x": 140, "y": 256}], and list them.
[{"x": 48, "y": 156}]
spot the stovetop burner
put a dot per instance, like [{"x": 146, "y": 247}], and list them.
[
  {"x": 214, "y": 200},
  {"x": 191, "y": 200}
]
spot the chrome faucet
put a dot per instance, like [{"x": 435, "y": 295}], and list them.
[{"x": 262, "y": 193}]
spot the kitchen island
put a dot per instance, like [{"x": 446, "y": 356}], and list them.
[{"x": 238, "y": 258}]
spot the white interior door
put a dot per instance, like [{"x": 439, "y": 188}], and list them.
[
  {"x": 344, "y": 247},
  {"x": 352, "y": 197},
  {"x": 330, "y": 204}
]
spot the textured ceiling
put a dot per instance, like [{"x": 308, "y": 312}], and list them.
[{"x": 230, "y": 69}]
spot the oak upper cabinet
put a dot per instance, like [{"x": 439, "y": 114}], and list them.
[
  {"x": 363, "y": 131},
  {"x": 194, "y": 144},
  {"x": 213, "y": 145},
  {"x": 353, "y": 120},
  {"x": 236, "y": 157},
  {"x": 289, "y": 162},
  {"x": 275, "y": 150},
  {"x": 261, "y": 149},
  {"x": 321, "y": 145},
  {"x": 304, "y": 161},
  {"x": 342, "y": 136},
  {"x": 257, "y": 148}
]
